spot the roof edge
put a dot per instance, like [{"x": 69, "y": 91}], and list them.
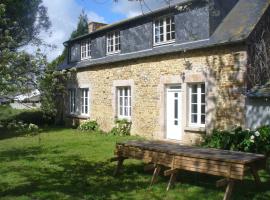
[{"x": 121, "y": 22}]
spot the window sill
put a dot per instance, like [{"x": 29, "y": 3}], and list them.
[
  {"x": 123, "y": 118},
  {"x": 195, "y": 129},
  {"x": 88, "y": 58},
  {"x": 164, "y": 43},
  {"x": 78, "y": 116},
  {"x": 113, "y": 53}
]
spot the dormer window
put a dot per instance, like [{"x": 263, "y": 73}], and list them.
[
  {"x": 113, "y": 42},
  {"x": 86, "y": 49},
  {"x": 164, "y": 30}
]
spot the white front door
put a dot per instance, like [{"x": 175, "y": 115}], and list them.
[{"x": 173, "y": 112}]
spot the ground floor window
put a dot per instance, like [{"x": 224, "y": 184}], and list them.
[
  {"x": 124, "y": 102},
  {"x": 197, "y": 105},
  {"x": 84, "y": 101},
  {"x": 72, "y": 101}
]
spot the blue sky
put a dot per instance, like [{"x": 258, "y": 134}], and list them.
[
  {"x": 103, "y": 8},
  {"x": 64, "y": 17}
]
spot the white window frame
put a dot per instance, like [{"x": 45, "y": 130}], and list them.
[
  {"x": 86, "y": 49},
  {"x": 84, "y": 98},
  {"x": 124, "y": 109},
  {"x": 165, "y": 31},
  {"x": 72, "y": 101},
  {"x": 199, "y": 105},
  {"x": 112, "y": 43}
]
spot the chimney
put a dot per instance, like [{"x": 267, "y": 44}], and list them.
[{"x": 93, "y": 26}]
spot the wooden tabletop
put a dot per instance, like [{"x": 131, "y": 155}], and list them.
[{"x": 195, "y": 152}]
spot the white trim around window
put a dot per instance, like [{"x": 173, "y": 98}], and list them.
[
  {"x": 84, "y": 96},
  {"x": 164, "y": 30},
  {"x": 86, "y": 49},
  {"x": 197, "y": 105},
  {"x": 72, "y": 101},
  {"x": 113, "y": 42},
  {"x": 124, "y": 102}
]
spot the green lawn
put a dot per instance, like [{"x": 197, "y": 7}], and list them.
[{"x": 67, "y": 164}]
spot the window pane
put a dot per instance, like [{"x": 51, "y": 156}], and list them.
[
  {"x": 203, "y": 98},
  {"x": 194, "y": 108},
  {"x": 194, "y": 88},
  {"x": 203, "y": 109},
  {"x": 203, "y": 88},
  {"x": 121, "y": 101},
  {"x": 194, "y": 98},
  {"x": 126, "y": 101},
  {"x": 194, "y": 118},
  {"x": 121, "y": 110},
  {"x": 176, "y": 108},
  {"x": 203, "y": 119},
  {"x": 173, "y": 36},
  {"x": 168, "y": 36}
]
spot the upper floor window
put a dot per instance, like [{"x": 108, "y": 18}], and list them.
[
  {"x": 113, "y": 42},
  {"x": 85, "y": 49},
  {"x": 164, "y": 30},
  {"x": 197, "y": 105}
]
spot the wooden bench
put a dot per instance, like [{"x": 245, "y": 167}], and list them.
[{"x": 231, "y": 165}]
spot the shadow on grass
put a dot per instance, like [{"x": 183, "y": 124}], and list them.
[
  {"x": 73, "y": 177},
  {"x": 8, "y": 134}
]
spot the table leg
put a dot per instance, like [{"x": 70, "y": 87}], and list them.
[
  {"x": 119, "y": 166},
  {"x": 255, "y": 175},
  {"x": 171, "y": 181},
  {"x": 155, "y": 175},
  {"x": 229, "y": 188}
]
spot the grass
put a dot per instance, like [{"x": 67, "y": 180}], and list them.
[{"x": 67, "y": 164}]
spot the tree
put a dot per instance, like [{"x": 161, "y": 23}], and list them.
[
  {"x": 20, "y": 23},
  {"x": 25, "y": 19},
  {"x": 52, "y": 85},
  {"x": 53, "y": 82},
  {"x": 82, "y": 26}
]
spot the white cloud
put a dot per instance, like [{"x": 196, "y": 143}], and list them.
[
  {"x": 64, "y": 17},
  {"x": 133, "y": 8}
]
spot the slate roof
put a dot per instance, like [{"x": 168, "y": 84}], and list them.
[{"x": 235, "y": 28}]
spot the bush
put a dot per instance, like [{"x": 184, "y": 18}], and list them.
[
  {"x": 89, "y": 125},
  {"x": 122, "y": 127},
  {"x": 18, "y": 127},
  {"x": 254, "y": 141}
]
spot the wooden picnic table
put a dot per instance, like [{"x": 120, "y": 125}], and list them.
[{"x": 231, "y": 165}]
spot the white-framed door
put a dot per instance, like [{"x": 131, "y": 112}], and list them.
[{"x": 173, "y": 112}]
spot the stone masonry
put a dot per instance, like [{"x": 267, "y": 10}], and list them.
[{"x": 221, "y": 68}]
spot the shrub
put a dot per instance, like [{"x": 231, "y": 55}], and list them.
[
  {"x": 122, "y": 127},
  {"x": 89, "y": 125},
  {"x": 19, "y": 127},
  {"x": 254, "y": 141}
]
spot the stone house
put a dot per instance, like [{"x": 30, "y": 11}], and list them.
[{"x": 176, "y": 73}]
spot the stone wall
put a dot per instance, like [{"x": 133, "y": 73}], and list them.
[{"x": 222, "y": 69}]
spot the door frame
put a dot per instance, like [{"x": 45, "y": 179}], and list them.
[{"x": 181, "y": 121}]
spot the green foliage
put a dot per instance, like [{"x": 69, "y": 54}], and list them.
[
  {"x": 23, "y": 21},
  {"x": 71, "y": 166},
  {"x": 89, "y": 125},
  {"x": 9, "y": 116},
  {"x": 122, "y": 127},
  {"x": 18, "y": 127},
  {"x": 20, "y": 22},
  {"x": 254, "y": 141},
  {"x": 82, "y": 26},
  {"x": 52, "y": 86},
  {"x": 53, "y": 82}
]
